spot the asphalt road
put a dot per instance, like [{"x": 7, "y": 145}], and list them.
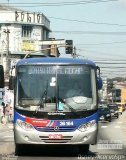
[{"x": 111, "y": 145}]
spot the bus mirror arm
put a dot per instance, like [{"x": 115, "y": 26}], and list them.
[
  {"x": 98, "y": 69},
  {"x": 99, "y": 79},
  {"x": 12, "y": 71}
]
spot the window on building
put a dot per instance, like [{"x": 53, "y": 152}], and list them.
[{"x": 26, "y": 31}]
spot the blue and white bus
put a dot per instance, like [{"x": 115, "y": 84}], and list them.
[{"x": 49, "y": 109}]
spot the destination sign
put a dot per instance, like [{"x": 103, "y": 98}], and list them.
[
  {"x": 57, "y": 70},
  {"x": 54, "y": 70}
]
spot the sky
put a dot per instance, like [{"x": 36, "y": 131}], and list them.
[{"x": 97, "y": 28}]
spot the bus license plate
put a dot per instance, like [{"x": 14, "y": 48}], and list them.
[{"x": 55, "y": 136}]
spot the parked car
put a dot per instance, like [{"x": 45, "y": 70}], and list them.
[
  {"x": 114, "y": 110},
  {"x": 104, "y": 114}
]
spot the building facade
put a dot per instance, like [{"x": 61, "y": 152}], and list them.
[{"x": 20, "y": 33}]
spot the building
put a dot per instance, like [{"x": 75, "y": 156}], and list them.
[
  {"x": 20, "y": 33},
  {"x": 119, "y": 93}
]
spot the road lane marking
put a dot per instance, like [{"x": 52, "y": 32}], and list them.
[
  {"x": 11, "y": 127},
  {"x": 8, "y": 136},
  {"x": 117, "y": 127},
  {"x": 104, "y": 126},
  {"x": 3, "y": 132},
  {"x": 120, "y": 122}
]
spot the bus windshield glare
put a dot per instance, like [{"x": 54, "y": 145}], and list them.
[{"x": 73, "y": 85}]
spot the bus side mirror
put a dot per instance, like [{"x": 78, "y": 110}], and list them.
[
  {"x": 99, "y": 83},
  {"x": 1, "y": 77},
  {"x": 11, "y": 82}
]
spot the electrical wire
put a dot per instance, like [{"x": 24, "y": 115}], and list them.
[
  {"x": 83, "y": 21},
  {"x": 60, "y": 3},
  {"x": 106, "y": 43},
  {"x": 113, "y": 67},
  {"x": 101, "y": 60},
  {"x": 111, "y": 55},
  {"x": 110, "y": 63},
  {"x": 92, "y": 32}
]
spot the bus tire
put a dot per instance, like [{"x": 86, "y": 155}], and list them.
[
  {"x": 17, "y": 149},
  {"x": 84, "y": 149}
]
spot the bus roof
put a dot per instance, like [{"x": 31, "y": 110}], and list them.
[{"x": 54, "y": 60}]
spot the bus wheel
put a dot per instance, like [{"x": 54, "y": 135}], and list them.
[
  {"x": 17, "y": 149},
  {"x": 83, "y": 149}
]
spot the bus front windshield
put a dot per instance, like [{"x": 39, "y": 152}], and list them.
[{"x": 49, "y": 86}]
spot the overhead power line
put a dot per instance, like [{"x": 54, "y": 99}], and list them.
[
  {"x": 84, "y": 21},
  {"x": 92, "y": 22},
  {"x": 106, "y": 43},
  {"x": 112, "y": 67},
  {"x": 84, "y": 2},
  {"x": 92, "y": 32},
  {"x": 112, "y": 70},
  {"x": 109, "y": 60},
  {"x": 110, "y": 63}
]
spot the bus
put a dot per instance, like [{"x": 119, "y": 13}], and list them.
[{"x": 47, "y": 110}]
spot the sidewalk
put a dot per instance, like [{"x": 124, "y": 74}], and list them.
[
  {"x": 123, "y": 116},
  {"x": 6, "y": 126}
]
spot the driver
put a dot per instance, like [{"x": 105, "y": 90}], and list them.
[{"x": 74, "y": 91}]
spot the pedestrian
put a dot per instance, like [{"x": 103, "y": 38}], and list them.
[
  {"x": 3, "y": 113},
  {"x": 10, "y": 116},
  {"x": 3, "y": 105},
  {"x": 74, "y": 91},
  {"x": 7, "y": 109}
]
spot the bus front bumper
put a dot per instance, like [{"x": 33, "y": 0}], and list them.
[{"x": 34, "y": 136}]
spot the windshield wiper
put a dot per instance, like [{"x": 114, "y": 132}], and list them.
[{"x": 42, "y": 100}]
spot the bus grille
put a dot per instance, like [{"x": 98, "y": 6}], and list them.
[
  {"x": 64, "y": 139},
  {"x": 52, "y": 129}
]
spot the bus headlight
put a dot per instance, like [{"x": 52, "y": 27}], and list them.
[
  {"x": 25, "y": 125},
  {"x": 85, "y": 127},
  {"x": 108, "y": 115}
]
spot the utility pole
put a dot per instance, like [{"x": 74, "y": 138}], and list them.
[
  {"x": 8, "y": 2},
  {"x": 74, "y": 52},
  {"x": 7, "y": 31}
]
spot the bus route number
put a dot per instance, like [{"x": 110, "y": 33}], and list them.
[{"x": 66, "y": 123}]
